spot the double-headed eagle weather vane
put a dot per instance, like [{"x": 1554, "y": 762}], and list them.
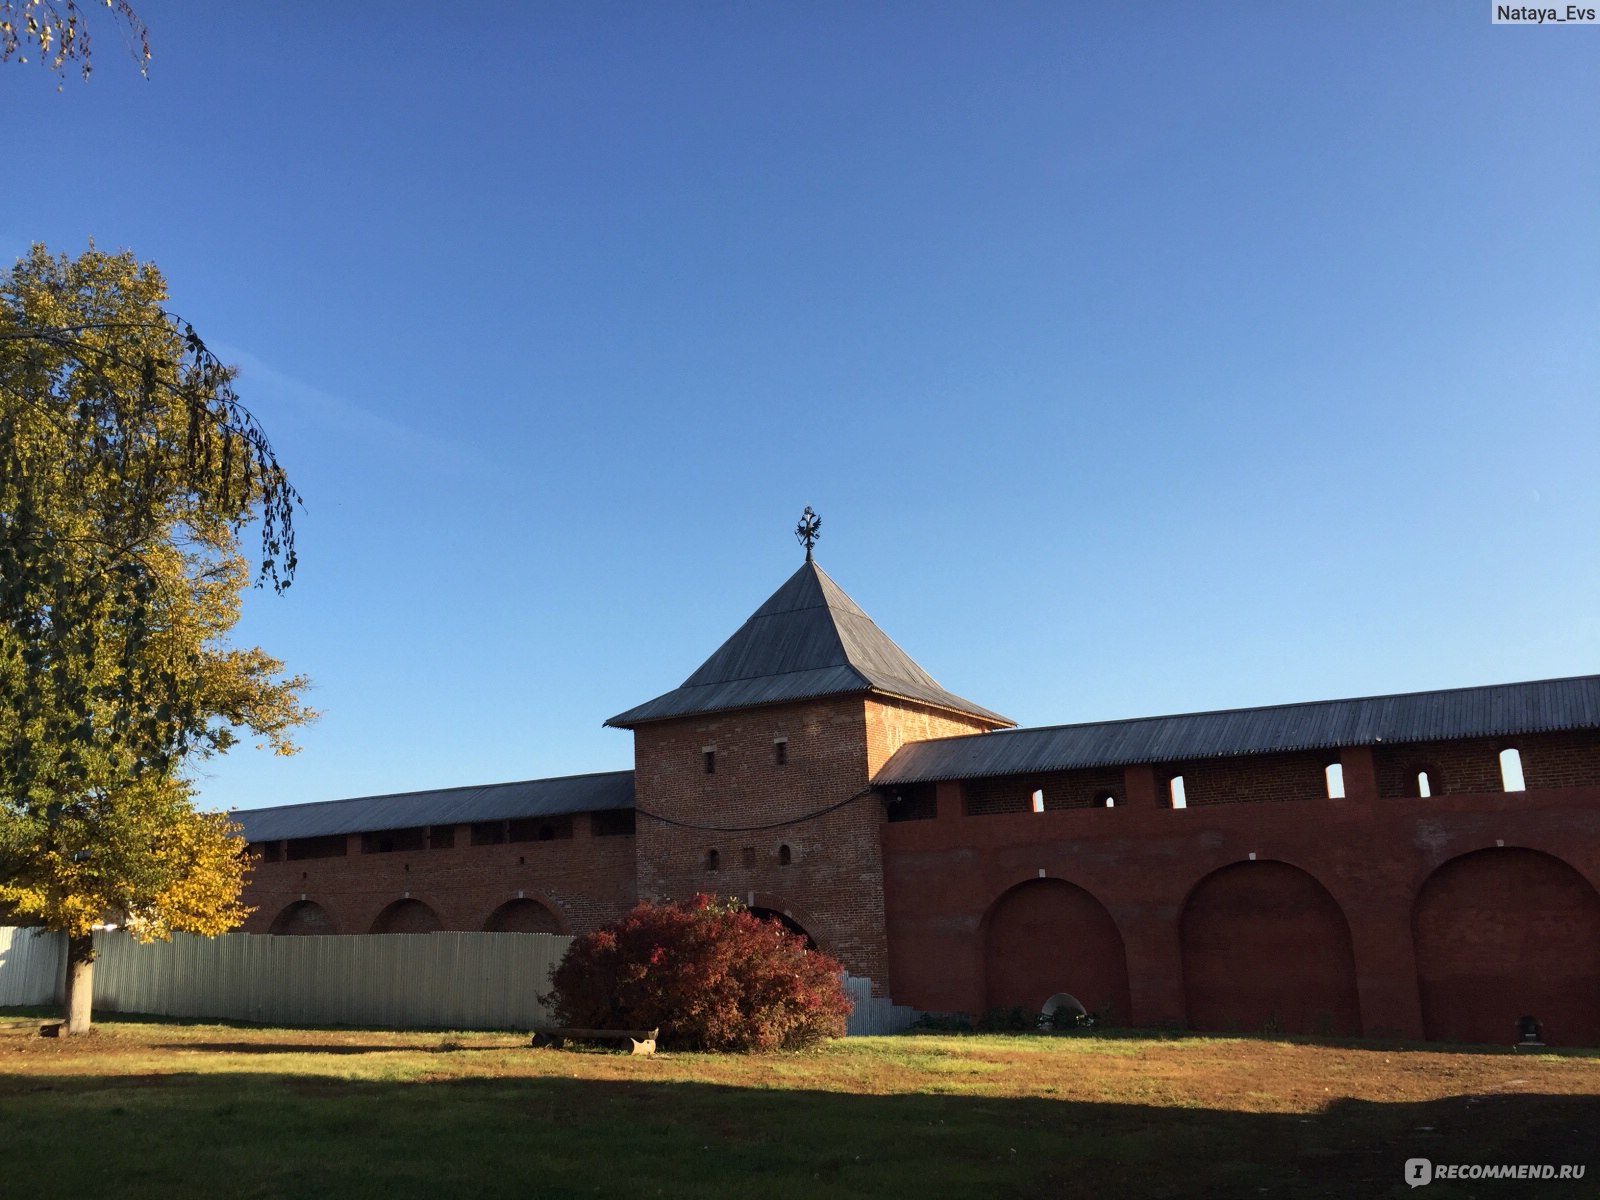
[{"x": 809, "y": 530}]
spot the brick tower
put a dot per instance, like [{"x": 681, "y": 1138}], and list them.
[{"x": 753, "y": 779}]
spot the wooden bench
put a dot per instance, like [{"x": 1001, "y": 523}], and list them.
[{"x": 643, "y": 1040}]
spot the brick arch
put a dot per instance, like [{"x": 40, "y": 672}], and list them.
[
  {"x": 525, "y": 914},
  {"x": 1046, "y": 936},
  {"x": 792, "y": 916},
  {"x": 407, "y": 916},
  {"x": 1505, "y": 932},
  {"x": 303, "y": 918},
  {"x": 788, "y": 923},
  {"x": 1266, "y": 947}
]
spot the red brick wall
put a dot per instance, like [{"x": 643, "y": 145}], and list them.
[
  {"x": 1143, "y": 862},
  {"x": 1468, "y": 766},
  {"x": 1472, "y": 765},
  {"x": 1552, "y": 760},
  {"x": 915, "y": 902},
  {"x": 1248, "y": 915},
  {"x": 833, "y": 883},
  {"x": 1062, "y": 789},
  {"x": 584, "y": 880},
  {"x": 1048, "y": 930},
  {"x": 1256, "y": 779},
  {"x": 1506, "y": 933}
]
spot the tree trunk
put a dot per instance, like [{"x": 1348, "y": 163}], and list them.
[{"x": 80, "y": 985}]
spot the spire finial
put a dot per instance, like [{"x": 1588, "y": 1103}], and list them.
[{"x": 809, "y": 530}]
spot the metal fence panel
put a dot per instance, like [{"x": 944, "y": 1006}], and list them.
[
  {"x": 874, "y": 1015},
  {"x": 398, "y": 980},
  {"x": 33, "y": 966}
]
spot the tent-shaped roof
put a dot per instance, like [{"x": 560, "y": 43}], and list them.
[{"x": 808, "y": 640}]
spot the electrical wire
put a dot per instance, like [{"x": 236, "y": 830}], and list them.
[{"x": 811, "y": 816}]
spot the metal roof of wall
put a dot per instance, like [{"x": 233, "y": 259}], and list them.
[
  {"x": 449, "y": 806},
  {"x": 808, "y": 640},
  {"x": 1493, "y": 711}
]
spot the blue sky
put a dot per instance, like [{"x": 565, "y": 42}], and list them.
[{"x": 1138, "y": 358}]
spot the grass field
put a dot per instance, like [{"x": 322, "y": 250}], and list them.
[{"x": 173, "y": 1110}]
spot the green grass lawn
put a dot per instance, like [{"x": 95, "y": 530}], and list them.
[{"x": 170, "y": 1110}]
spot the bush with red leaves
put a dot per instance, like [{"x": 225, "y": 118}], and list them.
[{"x": 710, "y": 974}]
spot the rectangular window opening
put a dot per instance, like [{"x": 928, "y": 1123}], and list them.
[
  {"x": 1335, "y": 778},
  {"x": 1175, "y": 791},
  {"x": 1511, "y": 770}
]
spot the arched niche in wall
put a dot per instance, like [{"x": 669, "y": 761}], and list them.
[
  {"x": 1505, "y": 933},
  {"x": 303, "y": 918},
  {"x": 522, "y": 916},
  {"x": 788, "y": 922},
  {"x": 1267, "y": 949},
  {"x": 1047, "y": 936},
  {"x": 406, "y": 916}
]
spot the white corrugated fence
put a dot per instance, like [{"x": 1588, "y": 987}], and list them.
[
  {"x": 398, "y": 980},
  {"x": 32, "y": 966}
]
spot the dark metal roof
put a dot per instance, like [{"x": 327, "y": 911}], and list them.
[
  {"x": 1498, "y": 710},
  {"x": 449, "y": 806},
  {"x": 808, "y": 640}
]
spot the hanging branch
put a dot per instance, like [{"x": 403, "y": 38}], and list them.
[
  {"x": 214, "y": 412},
  {"x": 58, "y": 29}
]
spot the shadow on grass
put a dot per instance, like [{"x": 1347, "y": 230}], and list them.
[{"x": 178, "y": 1135}]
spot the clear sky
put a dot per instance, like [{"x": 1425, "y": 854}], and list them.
[{"x": 1139, "y": 358}]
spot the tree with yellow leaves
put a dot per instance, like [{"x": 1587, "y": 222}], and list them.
[{"x": 129, "y": 472}]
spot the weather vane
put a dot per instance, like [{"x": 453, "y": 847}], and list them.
[{"x": 809, "y": 529}]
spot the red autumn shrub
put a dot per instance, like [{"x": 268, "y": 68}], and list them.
[{"x": 710, "y": 974}]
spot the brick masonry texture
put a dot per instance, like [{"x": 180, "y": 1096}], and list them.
[
  {"x": 1400, "y": 915},
  {"x": 1266, "y": 905},
  {"x": 815, "y": 801},
  {"x": 584, "y": 881}
]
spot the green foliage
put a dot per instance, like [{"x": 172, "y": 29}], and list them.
[
  {"x": 128, "y": 472},
  {"x": 709, "y": 974}
]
